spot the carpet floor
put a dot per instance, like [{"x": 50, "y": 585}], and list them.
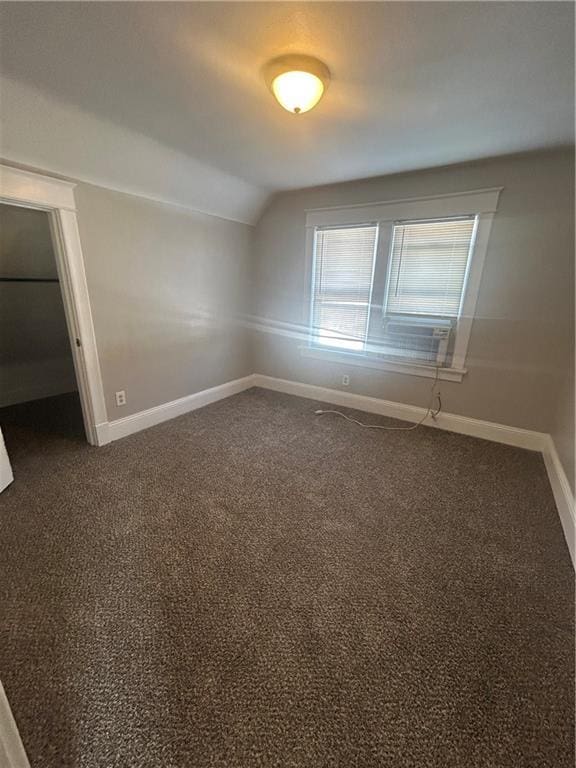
[{"x": 251, "y": 586}]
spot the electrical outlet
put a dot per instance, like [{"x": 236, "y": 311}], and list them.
[
  {"x": 345, "y": 381},
  {"x": 120, "y": 398}
]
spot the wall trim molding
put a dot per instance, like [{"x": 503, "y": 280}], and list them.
[
  {"x": 562, "y": 494},
  {"x": 114, "y": 430},
  {"x": 463, "y": 425},
  {"x": 12, "y": 753}
]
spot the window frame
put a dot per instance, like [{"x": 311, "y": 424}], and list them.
[
  {"x": 481, "y": 203},
  {"x": 389, "y": 266},
  {"x": 313, "y": 336}
]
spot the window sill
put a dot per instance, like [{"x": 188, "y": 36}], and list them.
[{"x": 371, "y": 361}]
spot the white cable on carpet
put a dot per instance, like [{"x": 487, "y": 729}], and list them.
[{"x": 429, "y": 412}]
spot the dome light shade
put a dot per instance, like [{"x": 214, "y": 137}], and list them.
[
  {"x": 298, "y": 91},
  {"x": 297, "y": 82}
]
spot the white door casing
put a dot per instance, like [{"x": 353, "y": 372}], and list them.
[
  {"x": 6, "y": 475},
  {"x": 56, "y": 197},
  {"x": 12, "y": 753}
]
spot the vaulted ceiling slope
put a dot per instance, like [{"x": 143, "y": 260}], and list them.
[{"x": 414, "y": 85}]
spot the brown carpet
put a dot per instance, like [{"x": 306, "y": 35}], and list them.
[{"x": 251, "y": 585}]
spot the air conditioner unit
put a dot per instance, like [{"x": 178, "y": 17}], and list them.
[{"x": 420, "y": 339}]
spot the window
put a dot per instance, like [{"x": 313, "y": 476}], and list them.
[
  {"x": 427, "y": 272},
  {"x": 428, "y": 264},
  {"x": 343, "y": 272},
  {"x": 400, "y": 291}
]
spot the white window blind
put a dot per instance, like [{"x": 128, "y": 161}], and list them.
[
  {"x": 343, "y": 269},
  {"x": 428, "y": 264}
]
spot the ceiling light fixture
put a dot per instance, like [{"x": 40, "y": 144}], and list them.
[{"x": 297, "y": 82}]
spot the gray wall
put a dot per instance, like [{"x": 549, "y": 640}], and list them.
[
  {"x": 166, "y": 286},
  {"x": 520, "y": 345},
  {"x": 35, "y": 355}
]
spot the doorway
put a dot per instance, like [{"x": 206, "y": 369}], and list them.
[
  {"x": 52, "y": 205},
  {"x": 38, "y": 387}
]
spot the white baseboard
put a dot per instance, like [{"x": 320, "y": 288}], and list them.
[
  {"x": 12, "y": 754},
  {"x": 498, "y": 433},
  {"x": 451, "y": 422},
  {"x": 118, "y": 428},
  {"x": 102, "y": 433},
  {"x": 562, "y": 494}
]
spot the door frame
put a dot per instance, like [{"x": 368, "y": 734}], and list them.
[{"x": 56, "y": 196}]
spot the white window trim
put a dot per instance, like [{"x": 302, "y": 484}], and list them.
[
  {"x": 472, "y": 289},
  {"x": 482, "y": 203},
  {"x": 431, "y": 207}
]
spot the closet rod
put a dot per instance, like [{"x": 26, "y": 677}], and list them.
[{"x": 29, "y": 280}]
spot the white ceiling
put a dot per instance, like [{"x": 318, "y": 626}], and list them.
[{"x": 414, "y": 84}]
